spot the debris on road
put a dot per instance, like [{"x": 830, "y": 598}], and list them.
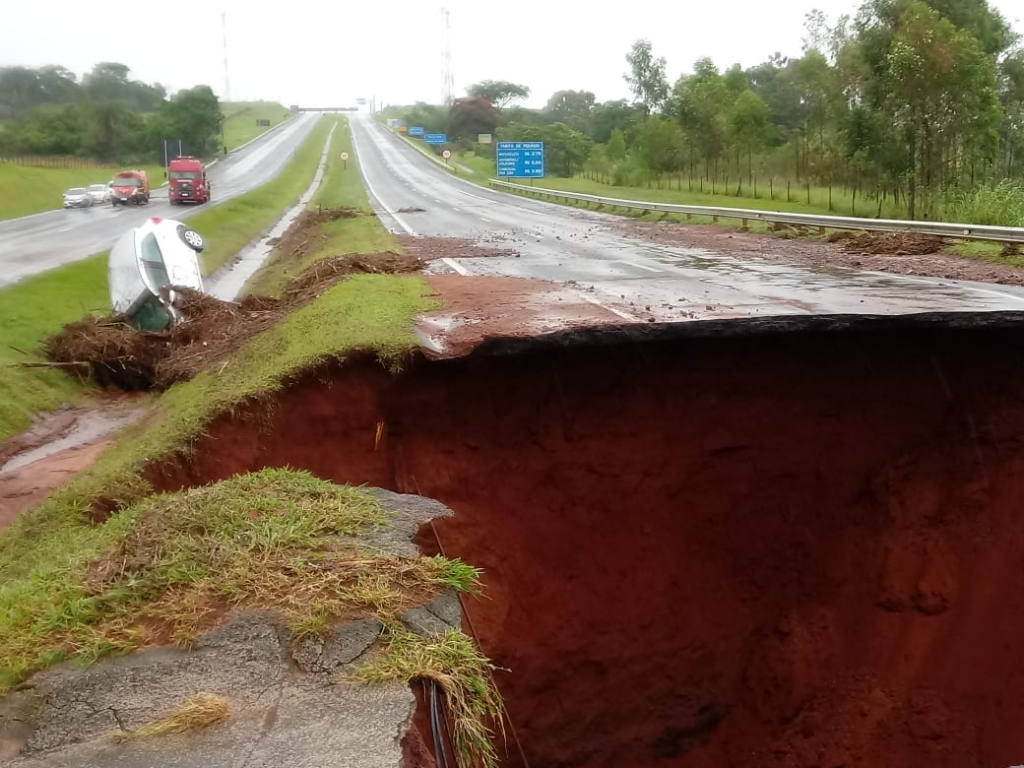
[
  {"x": 894, "y": 243},
  {"x": 430, "y": 248},
  {"x": 813, "y": 253}
]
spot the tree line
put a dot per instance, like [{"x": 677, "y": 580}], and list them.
[
  {"x": 106, "y": 115},
  {"x": 917, "y": 104}
]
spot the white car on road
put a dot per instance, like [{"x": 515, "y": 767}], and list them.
[{"x": 100, "y": 193}]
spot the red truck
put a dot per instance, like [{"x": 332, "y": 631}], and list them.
[
  {"x": 129, "y": 188},
  {"x": 187, "y": 182}
]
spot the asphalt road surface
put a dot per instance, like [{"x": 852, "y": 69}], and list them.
[
  {"x": 566, "y": 244},
  {"x": 37, "y": 243}
]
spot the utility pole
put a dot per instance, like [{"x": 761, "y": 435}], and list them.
[
  {"x": 224, "y": 35},
  {"x": 449, "y": 82}
]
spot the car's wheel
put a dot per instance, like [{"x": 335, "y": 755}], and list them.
[{"x": 192, "y": 239}]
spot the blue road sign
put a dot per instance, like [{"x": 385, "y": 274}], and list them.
[
  {"x": 520, "y": 159},
  {"x": 436, "y": 138},
  {"x": 416, "y": 130}
]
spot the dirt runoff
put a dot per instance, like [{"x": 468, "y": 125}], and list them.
[
  {"x": 304, "y": 236},
  {"x": 111, "y": 353},
  {"x": 706, "y": 545},
  {"x": 430, "y": 248},
  {"x": 817, "y": 254}
]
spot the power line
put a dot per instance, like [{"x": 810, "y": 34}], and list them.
[
  {"x": 449, "y": 81},
  {"x": 224, "y": 33}
]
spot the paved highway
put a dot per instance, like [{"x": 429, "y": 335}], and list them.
[
  {"x": 567, "y": 244},
  {"x": 37, "y": 243}
]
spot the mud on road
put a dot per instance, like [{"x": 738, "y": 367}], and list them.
[{"x": 874, "y": 253}]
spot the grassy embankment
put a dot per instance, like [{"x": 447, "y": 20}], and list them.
[
  {"x": 74, "y": 588},
  {"x": 25, "y": 190},
  {"x": 40, "y": 305},
  {"x": 240, "y": 120}
]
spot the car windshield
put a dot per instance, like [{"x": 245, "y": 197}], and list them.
[
  {"x": 76, "y": 191},
  {"x": 126, "y": 181},
  {"x": 153, "y": 261},
  {"x": 98, "y": 188},
  {"x": 185, "y": 174}
]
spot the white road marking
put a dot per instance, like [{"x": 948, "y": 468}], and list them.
[
  {"x": 641, "y": 266},
  {"x": 456, "y": 266},
  {"x": 613, "y": 310},
  {"x": 369, "y": 188}
]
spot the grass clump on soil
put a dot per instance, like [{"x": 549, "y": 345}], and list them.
[
  {"x": 338, "y": 222},
  {"x": 29, "y": 310},
  {"x": 200, "y": 711},
  {"x": 453, "y": 661},
  {"x": 170, "y": 566}
]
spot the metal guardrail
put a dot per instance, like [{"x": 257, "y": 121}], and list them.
[{"x": 938, "y": 228}]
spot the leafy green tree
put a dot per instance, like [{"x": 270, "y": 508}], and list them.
[
  {"x": 500, "y": 93},
  {"x": 617, "y": 146},
  {"x": 574, "y": 108},
  {"x": 472, "y": 116},
  {"x": 193, "y": 116},
  {"x": 660, "y": 145},
  {"x": 702, "y": 103},
  {"x": 750, "y": 126},
  {"x": 646, "y": 76},
  {"x": 609, "y": 116}
]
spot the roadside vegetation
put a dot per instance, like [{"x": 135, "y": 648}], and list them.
[
  {"x": 908, "y": 108},
  {"x": 40, "y": 305},
  {"x": 241, "y": 120},
  {"x": 26, "y": 189}
]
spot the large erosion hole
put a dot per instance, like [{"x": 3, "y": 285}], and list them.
[{"x": 785, "y": 549}]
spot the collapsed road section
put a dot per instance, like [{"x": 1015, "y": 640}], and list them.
[{"x": 790, "y": 542}]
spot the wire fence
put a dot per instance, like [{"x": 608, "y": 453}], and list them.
[{"x": 55, "y": 161}]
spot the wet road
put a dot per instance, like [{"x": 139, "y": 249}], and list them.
[
  {"x": 635, "y": 279},
  {"x": 37, "y": 243}
]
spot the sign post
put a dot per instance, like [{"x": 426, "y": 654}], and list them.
[
  {"x": 344, "y": 160},
  {"x": 436, "y": 138},
  {"x": 446, "y": 154},
  {"x": 416, "y": 130},
  {"x": 520, "y": 159}
]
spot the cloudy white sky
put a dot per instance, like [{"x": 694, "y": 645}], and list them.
[{"x": 333, "y": 52}]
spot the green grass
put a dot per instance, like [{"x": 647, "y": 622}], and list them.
[
  {"x": 454, "y": 663},
  {"x": 29, "y": 311},
  {"x": 342, "y": 187},
  {"x": 160, "y": 569},
  {"x": 25, "y": 190},
  {"x": 230, "y": 226},
  {"x": 240, "y": 120}
]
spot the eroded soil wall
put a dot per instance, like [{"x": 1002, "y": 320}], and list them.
[{"x": 786, "y": 550}]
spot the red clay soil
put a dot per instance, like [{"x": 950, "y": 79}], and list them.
[
  {"x": 792, "y": 550},
  {"x": 476, "y": 308},
  {"x": 817, "y": 254}
]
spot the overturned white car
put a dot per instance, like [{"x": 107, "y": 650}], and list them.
[{"x": 145, "y": 262}]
